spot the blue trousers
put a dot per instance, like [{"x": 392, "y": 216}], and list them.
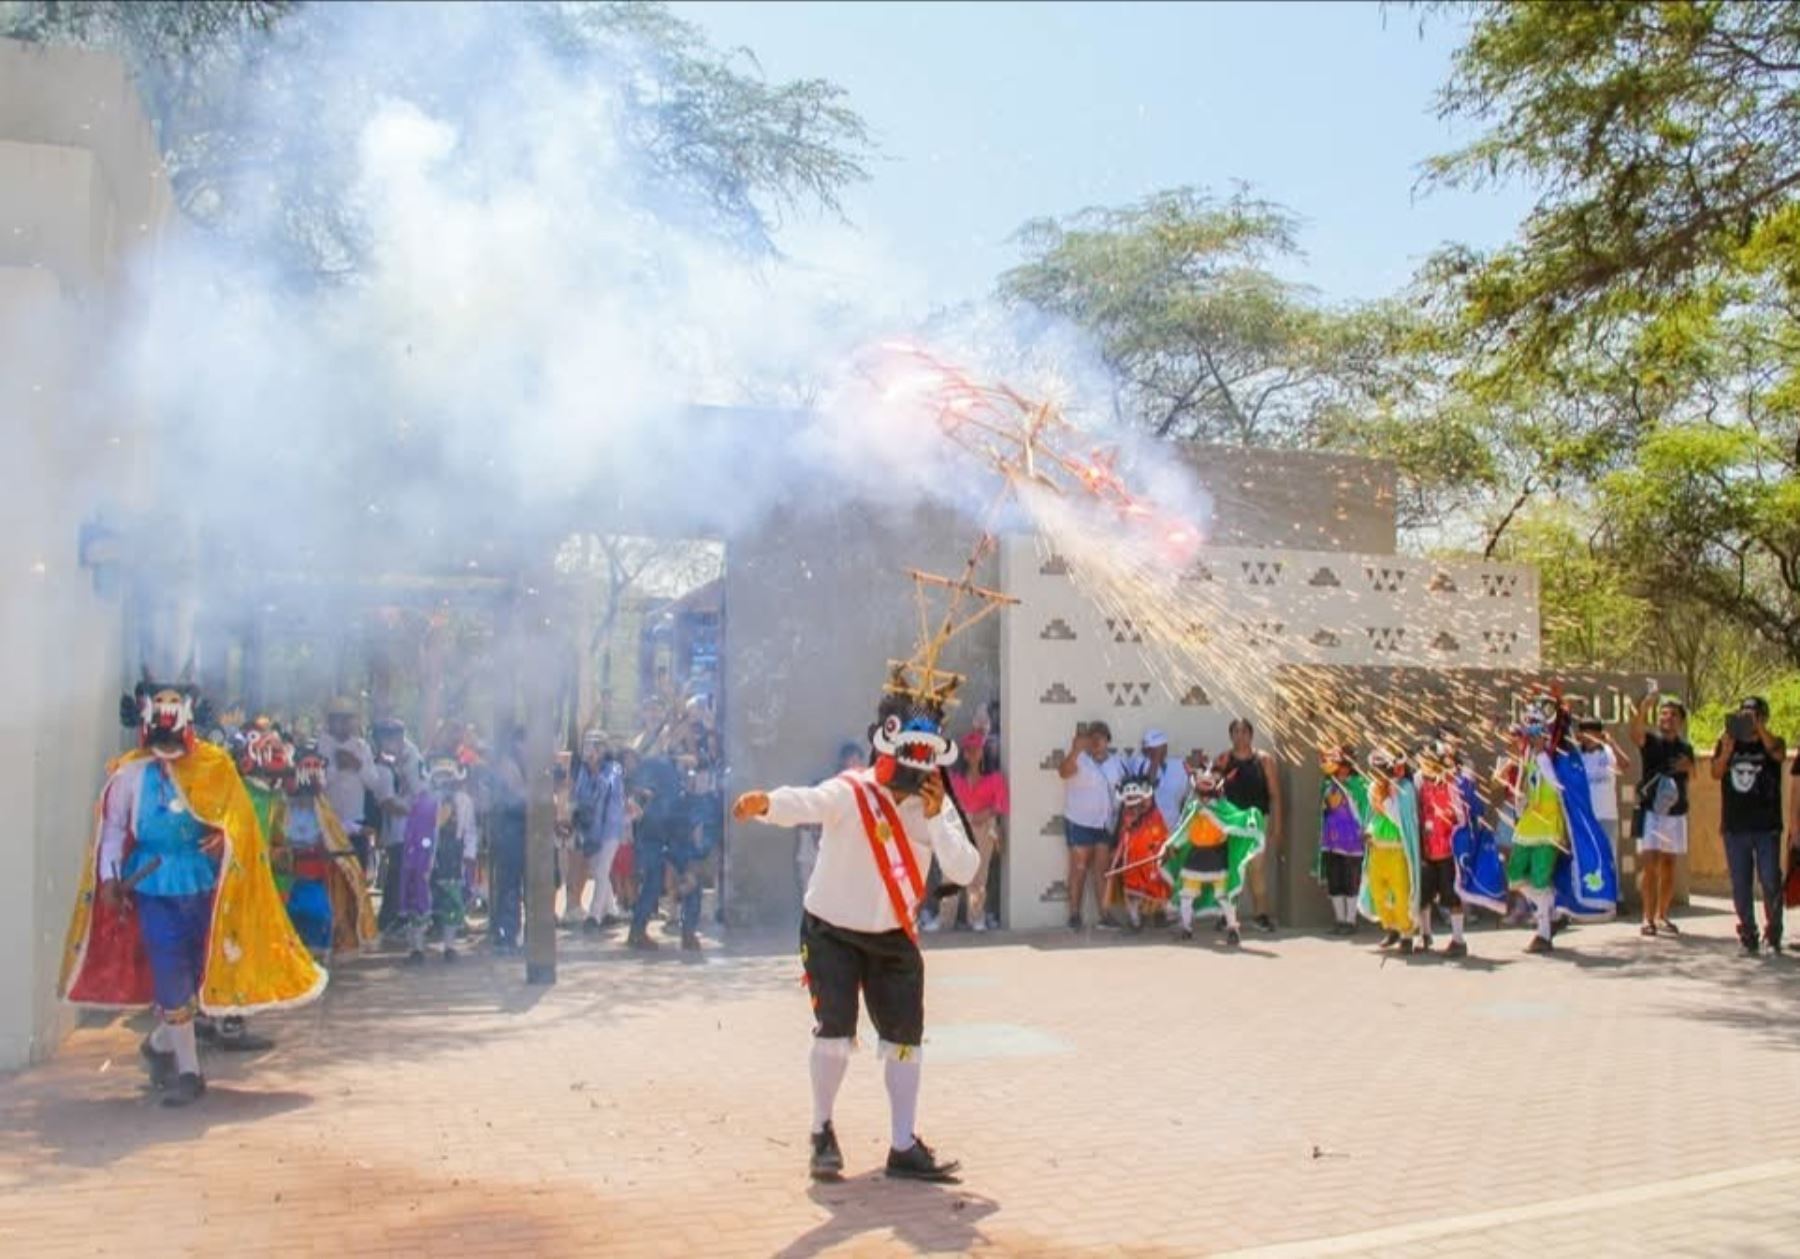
[
  {"x": 505, "y": 915},
  {"x": 174, "y": 930},
  {"x": 1752, "y": 857},
  {"x": 309, "y": 909},
  {"x": 648, "y": 863}
]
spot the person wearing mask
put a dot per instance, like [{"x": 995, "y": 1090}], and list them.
[
  {"x": 980, "y": 788},
  {"x": 1091, "y": 775},
  {"x": 1662, "y": 812},
  {"x": 599, "y": 822},
  {"x": 1747, "y": 764},
  {"x": 1252, "y": 782}
]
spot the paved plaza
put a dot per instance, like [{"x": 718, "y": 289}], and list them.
[{"x": 1109, "y": 1096}]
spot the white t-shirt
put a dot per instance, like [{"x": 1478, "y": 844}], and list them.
[
  {"x": 1602, "y": 768},
  {"x": 1089, "y": 798}
]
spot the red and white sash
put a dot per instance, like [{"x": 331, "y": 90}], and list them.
[{"x": 892, "y": 851}]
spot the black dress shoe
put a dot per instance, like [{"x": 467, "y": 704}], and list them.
[
  {"x": 690, "y": 941},
  {"x": 187, "y": 1089},
  {"x": 159, "y": 1063},
  {"x": 231, "y": 1036},
  {"x": 918, "y": 1163},
  {"x": 827, "y": 1159},
  {"x": 642, "y": 943}
]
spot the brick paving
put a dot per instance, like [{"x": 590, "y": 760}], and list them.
[{"x": 658, "y": 1107}]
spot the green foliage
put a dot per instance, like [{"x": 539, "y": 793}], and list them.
[
  {"x": 1204, "y": 340},
  {"x": 1663, "y": 140},
  {"x": 224, "y": 84},
  {"x": 1648, "y": 305},
  {"x": 1783, "y": 694}
]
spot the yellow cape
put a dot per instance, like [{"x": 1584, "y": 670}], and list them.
[
  {"x": 352, "y": 912},
  {"x": 254, "y": 959}
]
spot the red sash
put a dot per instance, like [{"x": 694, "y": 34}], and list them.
[{"x": 893, "y": 854}]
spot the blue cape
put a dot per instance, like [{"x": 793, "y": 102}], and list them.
[
  {"x": 1480, "y": 869},
  {"x": 1587, "y": 880}
]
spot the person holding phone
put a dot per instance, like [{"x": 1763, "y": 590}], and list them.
[
  {"x": 1091, "y": 776},
  {"x": 1662, "y": 811},
  {"x": 1747, "y": 764}
]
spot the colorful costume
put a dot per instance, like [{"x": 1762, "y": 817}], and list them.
[
  {"x": 1391, "y": 868},
  {"x": 1440, "y": 816},
  {"x": 329, "y": 900},
  {"x": 1480, "y": 868},
  {"x": 1143, "y": 835},
  {"x": 1206, "y": 857},
  {"x": 880, "y": 829},
  {"x": 1562, "y": 858},
  {"x": 1343, "y": 820},
  {"x": 177, "y": 905}
]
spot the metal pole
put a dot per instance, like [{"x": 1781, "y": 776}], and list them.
[{"x": 537, "y": 674}]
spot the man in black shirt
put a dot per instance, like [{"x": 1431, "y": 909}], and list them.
[
  {"x": 1747, "y": 763},
  {"x": 1252, "y": 782}
]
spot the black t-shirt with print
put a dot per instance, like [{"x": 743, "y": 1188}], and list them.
[
  {"x": 1660, "y": 755},
  {"x": 1750, "y": 794}
]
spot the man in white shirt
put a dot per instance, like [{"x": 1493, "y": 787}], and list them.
[
  {"x": 879, "y": 829},
  {"x": 1600, "y": 758},
  {"x": 1091, "y": 776},
  {"x": 350, "y": 771},
  {"x": 1170, "y": 778}
]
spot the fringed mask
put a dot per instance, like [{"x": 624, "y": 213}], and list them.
[
  {"x": 1207, "y": 781},
  {"x": 264, "y": 754},
  {"x": 910, "y": 744},
  {"x": 166, "y": 716},
  {"x": 446, "y": 774},
  {"x": 309, "y": 770},
  {"x": 1137, "y": 790}
]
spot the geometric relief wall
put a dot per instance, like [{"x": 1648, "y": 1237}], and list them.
[{"x": 1064, "y": 660}]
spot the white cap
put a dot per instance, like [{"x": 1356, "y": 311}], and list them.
[{"x": 1155, "y": 739}]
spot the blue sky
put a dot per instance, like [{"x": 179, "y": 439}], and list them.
[{"x": 989, "y": 114}]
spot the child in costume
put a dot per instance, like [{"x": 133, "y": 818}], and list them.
[
  {"x": 1391, "y": 867},
  {"x": 1480, "y": 865},
  {"x": 417, "y": 865},
  {"x": 1344, "y": 809},
  {"x": 458, "y": 843},
  {"x": 329, "y": 900},
  {"x": 1142, "y": 837},
  {"x": 177, "y": 906},
  {"x": 1562, "y": 859},
  {"x": 1439, "y": 818},
  {"x": 1209, "y": 852}
]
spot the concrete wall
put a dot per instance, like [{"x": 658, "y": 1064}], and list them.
[
  {"x": 1306, "y": 500},
  {"x": 1266, "y": 611},
  {"x": 815, "y": 606},
  {"x": 81, "y": 197}
]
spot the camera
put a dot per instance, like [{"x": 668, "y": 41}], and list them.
[{"x": 1742, "y": 726}]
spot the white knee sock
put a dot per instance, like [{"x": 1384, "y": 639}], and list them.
[
  {"x": 830, "y": 1060},
  {"x": 1543, "y": 900},
  {"x": 1346, "y": 909},
  {"x": 181, "y": 1041},
  {"x": 1187, "y": 910},
  {"x": 902, "y": 1070},
  {"x": 1456, "y": 925},
  {"x": 1231, "y": 918},
  {"x": 159, "y": 1038},
  {"x": 415, "y": 935}
]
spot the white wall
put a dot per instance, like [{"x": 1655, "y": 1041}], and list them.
[
  {"x": 82, "y": 198},
  {"x": 1063, "y": 661}
]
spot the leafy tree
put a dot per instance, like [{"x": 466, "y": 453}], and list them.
[
  {"x": 714, "y": 140},
  {"x": 1203, "y": 340}
]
